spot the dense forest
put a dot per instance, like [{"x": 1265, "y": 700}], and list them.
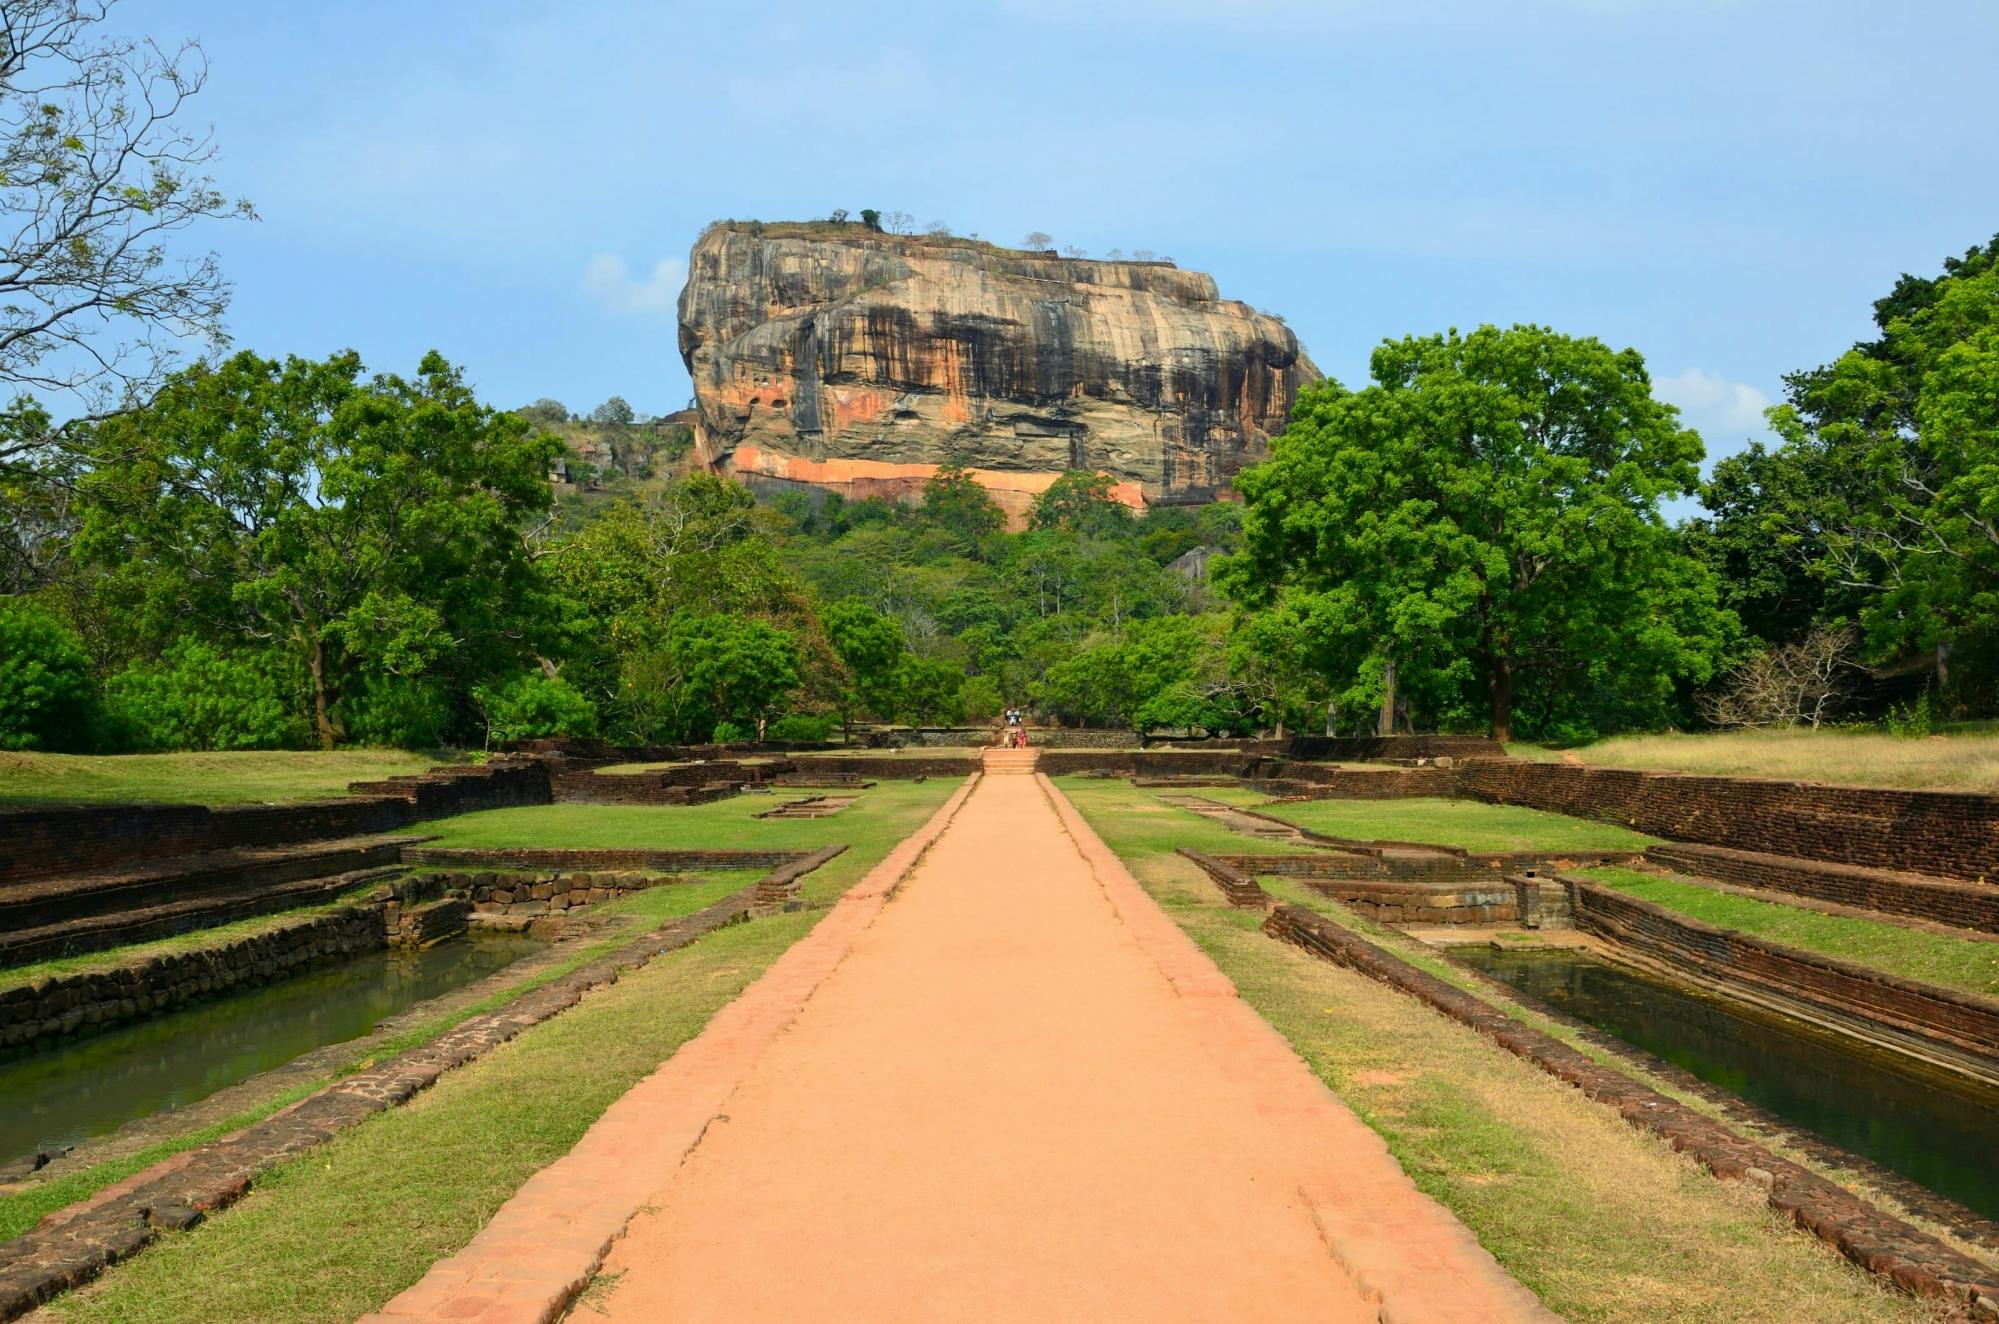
[{"x": 273, "y": 553}]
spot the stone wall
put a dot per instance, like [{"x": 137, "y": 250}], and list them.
[
  {"x": 34, "y": 1014},
  {"x": 888, "y": 767},
  {"x": 1949, "y": 834},
  {"x": 517, "y": 858},
  {"x": 52, "y": 840},
  {"x": 1957, "y": 1023},
  {"x": 1354, "y": 749},
  {"x": 1962, "y": 905},
  {"x": 542, "y": 892}
]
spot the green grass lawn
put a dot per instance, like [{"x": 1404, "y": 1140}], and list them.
[
  {"x": 1960, "y": 963},
  {"x": 1163, "y": 827},
  {"x": 1603, "y": 1222},
  {"x": 1467, "y": 823},
  {"x": 213, "y": 778},
  {"x": 870, "y": 826}
]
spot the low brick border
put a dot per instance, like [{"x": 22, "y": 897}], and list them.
[
  {"x": 1242, "y": 891},
  {"x": 62, "y": 1252},
  {"x": 1957, "y": 1024},
  {"x": 1911, "y": 1258},
  {"x": 778, "y": 889}
]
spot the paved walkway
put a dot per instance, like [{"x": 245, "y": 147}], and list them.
[{"x": 1016, "y": 1092}]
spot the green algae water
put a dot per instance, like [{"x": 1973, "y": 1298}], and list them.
[
  {"x": 1937, "y": 1130},
  {"x": 67, "y": 1094}
]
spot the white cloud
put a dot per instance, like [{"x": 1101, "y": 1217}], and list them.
[
  {"x": 1723, "y": 411},
  {"x": 612, "y": 283}
]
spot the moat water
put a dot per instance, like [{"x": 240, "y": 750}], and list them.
[
  {"x": 56, "y": 1098},
  {"x": 1934, "y": 1128}
]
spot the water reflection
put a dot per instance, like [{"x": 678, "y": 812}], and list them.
[
  {"x": 1937, "y": 1130},
  {"x": 72, "y": 1092}
]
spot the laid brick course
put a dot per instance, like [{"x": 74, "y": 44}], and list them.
[
  {"x": 1877, "y": 1241},
  {"x": 1952, "y": 1021},
  {"x": 1239, "y": 886},
  {"x": 51, "y": 840},
  {"x": 597, "y": 858},
  {"x": 1939, "y": 900},
  {"x": 1947, "y": 834}
]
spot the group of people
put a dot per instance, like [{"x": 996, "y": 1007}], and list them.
[{"x": 1015, "y": 736}]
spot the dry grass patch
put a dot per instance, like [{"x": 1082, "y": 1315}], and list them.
[
  {"x": 1961, "y": 760},
  {"x": 215, "y": 778}
]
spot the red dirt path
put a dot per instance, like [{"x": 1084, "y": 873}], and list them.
[{"x": 1016, "y": 1092}]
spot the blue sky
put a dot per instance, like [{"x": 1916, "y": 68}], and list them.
[{"x": 1724, "y": 186}]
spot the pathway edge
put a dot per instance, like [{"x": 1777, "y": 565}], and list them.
[
  {"x": 543, "y": 1246},
  {"x": 1407, "y": 1252}
]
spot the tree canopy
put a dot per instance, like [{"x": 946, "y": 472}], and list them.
[{"x": 1485, "y": 515}]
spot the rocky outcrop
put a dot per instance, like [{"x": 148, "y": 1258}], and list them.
[{"x": 844, "y": 358}]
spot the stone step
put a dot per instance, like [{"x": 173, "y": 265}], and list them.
[
  {"x": 1010, "y": 761},
  {"x": 46, "y": 901},
  {"x": 96, "y": 933}
]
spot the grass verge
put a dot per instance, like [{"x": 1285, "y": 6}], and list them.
[
  {"x": 1467, "y": 823},
  {"x": 22, "y": 1209},
  {"x": 334, "y": 1233},
  {"x": 1935, "y": 958},
  {"x": 237, "y": 777},
  {"x": 1602, "y": 1222},
  {"x": 1960, "y": 759}
]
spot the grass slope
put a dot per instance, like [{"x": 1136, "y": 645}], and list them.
[
  {"x": 1963, "y": 759},
  {"x": 1603, "y": 1222},
  {"x": 1935, "y": 958},
  {"x": 1467, "y": 823},
  {"x": 242, "y": 777}
]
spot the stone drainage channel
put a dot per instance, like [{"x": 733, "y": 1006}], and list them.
[
  {"x": 61, "y": 1096},
  {"x": 1935, "y": 1128}
]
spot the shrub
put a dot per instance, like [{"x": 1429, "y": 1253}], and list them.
[
  {"x": 729, "y": 733},
  {"x": 801, "y": 728},
  {"x": 982, "y": 698},
  {"x": 198, "y": 697},
  {"x": 397, "y": 711},
  {"x": 531, "y": 705},
  {"x": 47, "y": 699}
]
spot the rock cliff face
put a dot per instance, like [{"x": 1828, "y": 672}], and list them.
[{"x": 858, "y": 361}]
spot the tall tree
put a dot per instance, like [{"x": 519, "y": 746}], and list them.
[
  {"x": 362, "y": 525},
  {"x": 1491, "y": 501},
  {"x": 954, "y": 501},
  {"x": 871, "y": 648},
  {"x": 99, "y": 175},
  {"x": 1081, "y": 502},
  {"x": 1899, "y": 440}
]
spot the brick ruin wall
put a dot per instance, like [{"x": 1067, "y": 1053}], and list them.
[
  {"x": 518, "y": 858},
  {"x": 1962, "y": 905},
  {"x": 44, "y": 841},
  {"x": 1946, "y": 833},
  {"x": 36, "y": 1013},
  {"x": 1955, "y": 1022}
]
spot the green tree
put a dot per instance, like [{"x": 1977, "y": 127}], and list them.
[
  {"x": 1081, "y": 502},
  {"x": 613, "y": 413},
  {"x": 1492, "y": 501},
  {"x": 532, "y": 705},
  {"x": 954, "y": 501},
  {"x": 870, "y": 647},
  {"x": 360, "y": 525},
  {"x": 871, "y": 218},
  {"x": 47, "y": 698},
  {"x": 929, "y": 691},
  {"x": 733, "y": 670},
  {"x": 198, "y": 697},
  {"x": 1897, "y": 445}
]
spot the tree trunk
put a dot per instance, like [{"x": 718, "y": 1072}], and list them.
[
  {"x": 322, "y": 720},
  {"x": 1499, "y": 679},
  {"x": 1386, "y": 726},
  {"x": 1332, "y": 717}
]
